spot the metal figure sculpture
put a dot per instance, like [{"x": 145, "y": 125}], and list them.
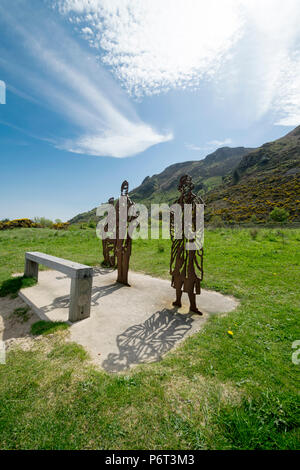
[
  {"x": 186, "y": 266},
  {"x": 109, "y": 245},
  {"x": 123, "y": 238}
]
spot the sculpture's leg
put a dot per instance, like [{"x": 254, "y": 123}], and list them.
[
  {"x": 177, "y": 302},
  {"x": 120, "y": 272},
  {"x": 105, "y": 253},
  {"x": 193, "y": 306},
  {"x": 125, "y": 269},
  {"x": 119, "y": 264}
]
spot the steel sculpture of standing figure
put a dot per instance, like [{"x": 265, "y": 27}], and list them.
[
  {"x": 186, "y": 265},
  {"x": 123, "y": 238},
  {"x": 109, "y": 244}
]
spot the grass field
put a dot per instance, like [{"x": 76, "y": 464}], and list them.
[{"x": 215, "y": 391}]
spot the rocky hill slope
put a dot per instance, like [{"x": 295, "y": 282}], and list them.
[
  {"x": 238, "y": 184},
  {"x": 266, "y": 178},
  {"x": 207, "y": 174}
]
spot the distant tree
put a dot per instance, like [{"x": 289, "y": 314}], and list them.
[
  {"x": 58, "y": 221},
  {"x": 92, "y": 224},
  {"x": 4, "y": 220},
  {"x": 43, "y": 222},
  {"x": 236, "y": 176},
  {"x": 279, "y": 214}
]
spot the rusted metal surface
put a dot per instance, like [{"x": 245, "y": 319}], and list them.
[
  {"x": 186, "y": 266},
  {"x": 109, "y": 244},
  {"x": 123, "y": 239}
]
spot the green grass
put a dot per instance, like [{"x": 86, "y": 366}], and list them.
[
  {"x": 212, "y": 392},
  {"x": 47, "y": 327},
  {"x": 13, "y": 285},
  {"x": 22, "y": 314}
]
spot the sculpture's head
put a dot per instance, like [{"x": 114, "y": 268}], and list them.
[
  {"x": 124, "y": 188},
  {"x": 111, "y": 200},
  {"x": 185, "y": 184}
]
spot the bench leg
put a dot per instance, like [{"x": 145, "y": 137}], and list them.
[
  {"x": 31, "y": 269},
  {"x": 80, "y": 299}
]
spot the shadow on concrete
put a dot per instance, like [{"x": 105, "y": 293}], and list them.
[
  {"x": 148, "y": 341},
  {"x": 97, "y": 293},
  {"x": 99, "y": 270}
]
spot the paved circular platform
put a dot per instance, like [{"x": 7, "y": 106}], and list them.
[{"x": 128, "y": 325}]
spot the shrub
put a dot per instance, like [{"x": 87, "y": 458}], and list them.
[
  {"x": 236, "y": 176},
  {"x": 92, "y": 224},
  {"x": 43, "y": 222},
  {"x": 17, "y": 223},
  {"x": 253, "y": 219},
  {"x": 279, "y": 214},
  {"x": 254, "y": 233},
  {"x": 61, "y": 226},
  {"x": 216, "y": 221},
  {"x": 160, "y": 248}
]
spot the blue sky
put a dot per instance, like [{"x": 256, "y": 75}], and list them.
[{"x": 102, "y": 90}]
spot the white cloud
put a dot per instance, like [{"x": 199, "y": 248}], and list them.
[
  {"x": 194, "y": 147},
  {"x": 74, "y": 85},
  {"x": 220, "y": 143},
  {"x": 274, "y": 76},
  {"x": 248, "y": 48},
  {"x": 209, "y": 146},
  {"x": 2, "y": 92},
  {"x": 288, "y": 99},
  {"x": 131, "y": 142},
  {"x": 87, "y": 31},
  {"x": 154, "y": 45}
]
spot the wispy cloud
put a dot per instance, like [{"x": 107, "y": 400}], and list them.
[
  {"x": 220, "y": 143},
  {"x": 249, "y": 49},
  {"x": 156, "y": 45},
  {"x": 73, "y": 84},
  {"x": 2, "y": 92},
  {"x": 193, "y": 147}
]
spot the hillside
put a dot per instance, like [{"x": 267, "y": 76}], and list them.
[
  {"x": 266, "y": 178},
  {"x": 207, "y": 174},
  {"x": 238, "y": 184}
]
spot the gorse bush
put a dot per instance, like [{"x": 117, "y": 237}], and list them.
[
  {"x": 38, "y": 222},
  {"x": 279, "y": 214},
  {"x": 61, "y": 226},
  {"x": 18, "y": 223},
  {"x": 254, "y": 200}
]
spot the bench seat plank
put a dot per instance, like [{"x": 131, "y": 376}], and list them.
[
  {"x": 81, "y": 280},
  {"x": 70, "y": 268}
]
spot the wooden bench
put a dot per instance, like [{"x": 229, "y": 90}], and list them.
[{"x": 81, "y": 280}]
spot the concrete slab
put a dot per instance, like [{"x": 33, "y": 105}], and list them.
[{"x": 128, "y": 325}]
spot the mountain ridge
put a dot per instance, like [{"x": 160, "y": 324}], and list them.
[
  {"x": 207, "y": 173},
  {"x": 238, "y": 184}
]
